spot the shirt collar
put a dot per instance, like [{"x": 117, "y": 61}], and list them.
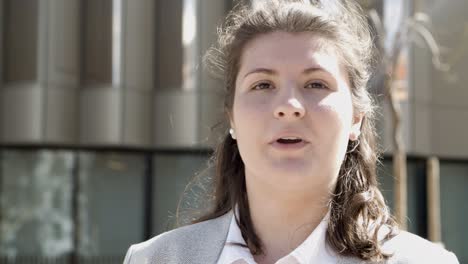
[{"x": 313, "y": 250}]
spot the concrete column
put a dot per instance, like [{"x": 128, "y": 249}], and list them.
[
  {"x": 139, "y": 28},
  {"x": 1, "y": 45},
  {"x": 100, "y": 106},
  {"x": 211, "y": 14},
  {"x": 20, "y": 96},
  {"x": 175, "y": 102},
  {"x": 61, "y": 70},
  {"x": 187, "y": 99}
]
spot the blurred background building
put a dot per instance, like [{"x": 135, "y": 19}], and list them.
[{"x": 106, "y": 114}]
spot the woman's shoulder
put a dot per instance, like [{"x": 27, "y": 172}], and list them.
[
  {"x": 411, "y": 248},
  {"x": 179, "y": 245},
  {"x": 407, "y": 248}
]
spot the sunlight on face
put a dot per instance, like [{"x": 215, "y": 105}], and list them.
[{"x": 292, "y": 112}]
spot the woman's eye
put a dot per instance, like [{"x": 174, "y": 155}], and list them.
[
  {"x": 316, "y": 85},
  {"x": 262, "y": 86}
]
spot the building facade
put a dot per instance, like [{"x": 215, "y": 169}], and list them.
[{"x": 106, "y": 115}]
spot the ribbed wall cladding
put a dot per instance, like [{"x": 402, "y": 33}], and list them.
[{"x": 107, "y": 73}]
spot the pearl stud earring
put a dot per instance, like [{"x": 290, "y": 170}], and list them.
[{"x": 233, "y": 135}]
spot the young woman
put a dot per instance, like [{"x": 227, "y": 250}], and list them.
[{"x": 295, "y": 175}]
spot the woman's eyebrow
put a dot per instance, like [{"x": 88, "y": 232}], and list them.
[
  {"x": 261, "y": 70},
  {"x": 315, "y": 69}
]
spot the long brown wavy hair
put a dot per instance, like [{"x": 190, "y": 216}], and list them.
[{"x": 357, "y": 207}]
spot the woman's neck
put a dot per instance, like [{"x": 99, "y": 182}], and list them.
[{"x": 283, "y": 221}]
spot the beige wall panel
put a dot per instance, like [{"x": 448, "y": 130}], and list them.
[
  {"x": 61, "y": 115},
  {"x": 420, "y": 72},
  {"x": 175, "y": 119},
  {"x": 454, "y": 93},
  {"x": 137, "y": 118},
  {"x": 451, "y": 31},
  {"x": 421, "y": 131},
  {"x": 21, "y": 113},
  {"x": 450, "y": 132},
  {"x": 100, "y": 116}
]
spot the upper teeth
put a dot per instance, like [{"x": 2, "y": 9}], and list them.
[{"x": 290, "y": 138}]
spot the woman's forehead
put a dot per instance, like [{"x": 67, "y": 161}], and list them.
[{"x": 279, "y": 51}]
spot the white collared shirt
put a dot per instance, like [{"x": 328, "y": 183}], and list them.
[{"x": 313, "y": 250}]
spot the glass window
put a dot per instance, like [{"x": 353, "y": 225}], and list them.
[
  {"x": 110, "y": 204},
  {"x": 111, "y": 193},
  {"x": 454, "y": 208},
  {"x": 35, "y": 203},
  {"x": 416, "y": 191},
  {"x": 172, "y": 173}
]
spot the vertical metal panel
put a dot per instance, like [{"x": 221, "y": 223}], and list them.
[
  {"x": 175, "y": 108},
  {"x": 169, "y": 45},
  {"x": 20, "y": 97},
  {"x": 139, "y": 40},
  {"x": 97, "y": 55},
  {"x": 138, "y": 71},
  {"x": 43, "y": 42},
  {"x": 64, "y": 43},
  {"x": 101, "y": 97},
  {"x": 2, "y": 18},
  {"x": 21, "y": 36},
  {"x": 62, "y": 76},
  {"x": 211, "y": 93},
  {"x": 186, "y": 28}
]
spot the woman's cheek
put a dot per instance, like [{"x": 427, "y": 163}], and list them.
[
  {"x": 339, "y": 105},
  {"x": 253, "y": 105}
]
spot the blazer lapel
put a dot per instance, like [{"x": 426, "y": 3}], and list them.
[{"x": 210, "y": 241}]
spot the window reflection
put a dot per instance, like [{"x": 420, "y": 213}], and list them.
[
  {"x": 110, "y": 204},
  {"x": 35, "y": 196},
  {"x": 172, "y": 173},
  {"x": 453, "y": 208}
]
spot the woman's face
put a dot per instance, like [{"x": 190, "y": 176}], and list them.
[{"x": 292, "y": 112}]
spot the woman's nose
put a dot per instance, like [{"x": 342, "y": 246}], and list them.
[{"x": 291, "y": 109}]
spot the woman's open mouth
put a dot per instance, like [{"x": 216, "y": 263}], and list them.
[
  {"x": 289, "y": 140},
  {"x": 289, "y": 143}
]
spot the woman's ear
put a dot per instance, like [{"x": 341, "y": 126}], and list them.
[{"x": 356, "y": 127}]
